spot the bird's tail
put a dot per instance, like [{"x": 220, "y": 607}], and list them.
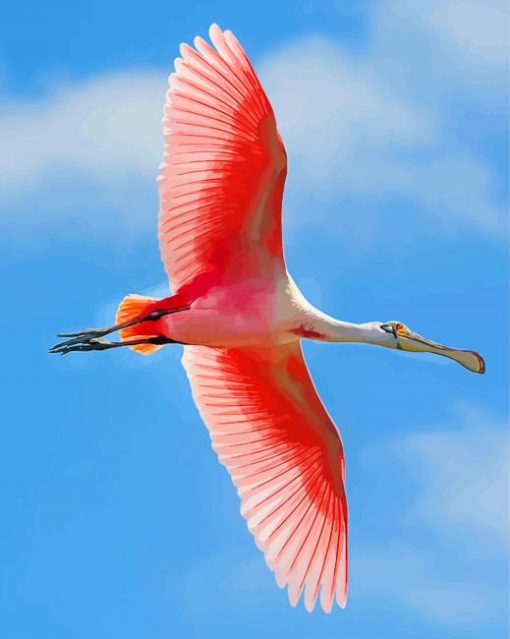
[{"x": 131, "y": 307}]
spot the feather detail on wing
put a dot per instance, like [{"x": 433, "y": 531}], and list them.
[
  {"x": 284, "y": 454},
  {"x": 222, "y": 179}
]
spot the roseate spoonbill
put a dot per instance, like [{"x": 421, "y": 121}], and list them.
[{"x": 241, "y": 318}]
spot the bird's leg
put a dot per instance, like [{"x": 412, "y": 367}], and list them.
[
  {"x": 97, "y": 344},
  {"x": 87, "y": 335}
]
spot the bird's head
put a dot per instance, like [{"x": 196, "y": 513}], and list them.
[{"x": 405, "y": 339}]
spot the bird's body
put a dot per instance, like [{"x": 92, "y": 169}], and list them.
[
  {"x": 241, "y": 318},
  {"x": 254, "y": 313},
  {"x": 263, "y": 314}
]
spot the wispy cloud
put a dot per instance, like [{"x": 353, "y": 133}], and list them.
[
  {"x": 107, "y": 125},
  {"x": 374, "y": 126},
  {"x": 462, "y": 31},
  {"x": 462, "y": 477},
  {"x": 450, "y": 543},
  {"x": 415, "y": 578},
  {"x": 82, "y": 149},
  {"x": 361, "y": 123}
]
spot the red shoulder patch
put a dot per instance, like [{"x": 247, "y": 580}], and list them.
[{"x": 302, "y": 331}]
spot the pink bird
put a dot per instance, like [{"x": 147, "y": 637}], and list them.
[{"x": 241, "y": 318}]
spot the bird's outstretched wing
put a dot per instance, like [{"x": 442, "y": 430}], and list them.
[
  {"x": 221, "y": 182},
  {"x": 284, "y": 454}
]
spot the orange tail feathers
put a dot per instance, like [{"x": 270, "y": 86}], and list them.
[{"x": 131, "y": 307}]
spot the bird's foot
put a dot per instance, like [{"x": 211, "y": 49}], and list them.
[
  {"x": 89, "y": 339},
  {"x": 86, "y": 343},
  {"x": 97, "y": 344},
  {"x": 84, "y": 336}
]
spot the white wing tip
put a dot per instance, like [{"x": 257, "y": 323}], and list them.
[
  {"x": 197, "y": 41},
  {"x": 214, "y": 29},
  {"x": 184, "y": 48}
]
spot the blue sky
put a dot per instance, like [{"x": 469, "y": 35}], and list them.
[{"x": 118, "y": 520}]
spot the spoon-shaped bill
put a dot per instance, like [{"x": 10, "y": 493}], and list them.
[{"x": 413, "y": 342}]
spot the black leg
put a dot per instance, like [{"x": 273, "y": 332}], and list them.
[
  {"x": 96, "y": 344},
  {"x": 90, "y": 334}
]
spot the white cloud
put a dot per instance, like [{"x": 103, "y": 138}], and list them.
[
  {"x": 83, "y": 149},
  {"x": 331, "y": 108},
  {"x": 352, "y": 131},
  {"x": 107, "y": 125},
  {"x": 453, "y": 50},
  {"x": 414, "y": 578},
  {"x": 374, "y": 125},
  {"x": 450, "y": 544},
  {"x": 463, "y": 477},
  {"x": 469, "y": 31}
]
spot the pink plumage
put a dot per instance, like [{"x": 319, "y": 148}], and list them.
[
  {"x": 221, "y": 187},
  {"x": 272, "y": 433},
  {"x": 241, "y": 318},
  {"x": 224, "y": 166}
]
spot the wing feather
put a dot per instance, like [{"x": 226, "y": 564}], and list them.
[
  {"x": 271, "y": 431},
  {"x": 222, "y": 179}
]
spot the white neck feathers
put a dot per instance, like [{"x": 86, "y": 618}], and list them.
[
  {"x": 317, "y": 325},
  {"x": 333, "y": 330}
]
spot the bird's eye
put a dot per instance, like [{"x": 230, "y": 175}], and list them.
[{"x": 389, "y": 328}]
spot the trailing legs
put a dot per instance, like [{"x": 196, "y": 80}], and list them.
[{"x": 90, "y": 339}]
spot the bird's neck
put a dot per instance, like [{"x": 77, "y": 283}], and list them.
[
  {"x": 329, "y": 329},
  {"x": 320, "y": 326}
]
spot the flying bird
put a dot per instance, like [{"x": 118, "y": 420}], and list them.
[{"x": 241, "y": 319}]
